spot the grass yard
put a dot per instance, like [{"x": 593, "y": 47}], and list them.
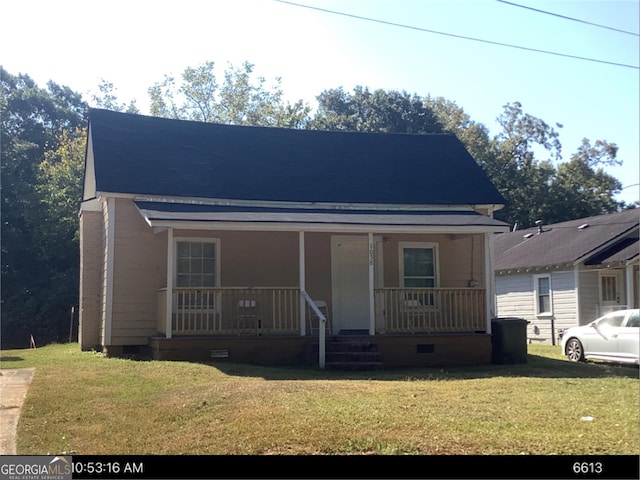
[{"x": 84, "y": 403}]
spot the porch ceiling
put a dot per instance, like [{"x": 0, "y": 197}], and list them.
[{"x": 163, "y": 214}]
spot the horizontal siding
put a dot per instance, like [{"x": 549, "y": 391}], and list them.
[
  {"x": 139, "y": 271},
  {"x": 564, "y": 305},
  {"x": 589, "y": 295},
  {"x": 91, "y": 270},
  {"x": 515, "y": 298}
]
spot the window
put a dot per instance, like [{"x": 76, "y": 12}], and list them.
[
  {"x": 609, "y": 289},
  {"x": 418, "y": 265},
  {"x": 196, "y": 263},
  {"x": 542, "y": 285},
  {"x": 612, "y": 320}
]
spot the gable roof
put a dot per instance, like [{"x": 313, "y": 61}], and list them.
[
  {"x": 602, "y": 239},
  {"x": 157, "y": 157}
]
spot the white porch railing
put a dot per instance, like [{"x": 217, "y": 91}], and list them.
[
  {"x": 322, "y": 320},
  {"x": 230, "y": 310},
  {"x": 276, "y": 310},
  {"x": 431, "y": 310}
]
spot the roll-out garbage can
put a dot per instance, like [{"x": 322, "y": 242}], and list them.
[{"x": 509, "y": 340}]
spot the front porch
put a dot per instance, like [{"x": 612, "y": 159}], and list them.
[
  {"x": 279, "y": 326},
  {"x": 283, "y": 311}
]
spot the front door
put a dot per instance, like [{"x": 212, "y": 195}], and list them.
[
  {"x": 610, "y": 291},
  {"x": 350, "y": 281}
]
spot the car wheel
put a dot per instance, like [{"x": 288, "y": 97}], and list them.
[{"x": 574, "y": 350}]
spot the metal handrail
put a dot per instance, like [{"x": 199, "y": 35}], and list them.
[{"x": 321, "y": 327}]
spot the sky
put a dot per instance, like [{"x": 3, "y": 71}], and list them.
[{"x": 461, "y": 50}]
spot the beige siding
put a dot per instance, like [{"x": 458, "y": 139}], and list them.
[
  {"x": 139, "y": 271},
  {"x": 91, "y": 276},
  {"x": 249, "y": 259},
  {"x": 318, "y": 266},
  {"x": 461, "y": 258}
]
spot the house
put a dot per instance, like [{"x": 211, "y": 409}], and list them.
[
  {"x": 566, "y": 274},
  {"x": 201, "y": 241}
]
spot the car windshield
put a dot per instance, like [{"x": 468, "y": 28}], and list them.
[{"x": 612, "y": 320}]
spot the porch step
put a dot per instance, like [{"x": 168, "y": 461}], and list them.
[{"x": 352, "y": 354}]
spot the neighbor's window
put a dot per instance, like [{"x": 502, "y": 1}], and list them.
[
  {"x": 609, "y": 288},
  {"x": 543, "y": 294},
  {"x": 196, "y": 263},
  {"x": 418, "y": 265}
]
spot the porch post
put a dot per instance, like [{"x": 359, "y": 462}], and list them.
[
  {"x": 372, "y": 308},
  {"x": 303, "y": 304},
  {"x": 629, "y": 282},
  {"x": 111, "y": 237},
  {"x": 169, "y": 307},
  {"x": 489, "y": 280}
]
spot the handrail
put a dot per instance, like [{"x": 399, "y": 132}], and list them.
[{"x": 321, "y": 327}]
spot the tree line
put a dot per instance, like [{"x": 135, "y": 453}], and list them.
[{"x": 43, "y": 135}]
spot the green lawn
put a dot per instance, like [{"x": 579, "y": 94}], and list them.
[{"x": 84, "y": 403}]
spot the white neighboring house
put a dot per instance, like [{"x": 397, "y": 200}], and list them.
[{"x": 567, "y": 274}]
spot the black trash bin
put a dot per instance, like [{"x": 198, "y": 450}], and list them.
[{"x": 509, "y": 340}]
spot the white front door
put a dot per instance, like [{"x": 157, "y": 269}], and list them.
[{"x": 350, "y": 281}]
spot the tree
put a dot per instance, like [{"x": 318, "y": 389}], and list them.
[
  {"x": 31, "y": 122},
  {"x": 378, "y": 111},
  {"x": 549, "y": 189},
  {"x": 474, "y": 136},
  {"x": 519, "y": 175},
  {"x": 240, "y": 100},
  {"x": 106, "y": 98},
  {"x": 582, "y": 186},
  {"x": 60, "y": 191}
]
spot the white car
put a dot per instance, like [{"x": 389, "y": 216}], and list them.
[{"x": 614, "y": 337}]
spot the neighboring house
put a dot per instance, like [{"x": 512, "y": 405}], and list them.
[
  {"x": 201, "y": 240},
  {"x": 566, "y": 274}
]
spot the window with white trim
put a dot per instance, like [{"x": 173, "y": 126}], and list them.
[
  {"x": 418, "y": 265},
  {"x": 418, "y": 270},
  {"x": 196, "y": 263},
  {"x": 542, "y": 292}
]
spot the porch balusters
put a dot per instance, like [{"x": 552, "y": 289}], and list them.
[
  {"x": 214, "y": 311},
  {"x": 432, "y": 310}
]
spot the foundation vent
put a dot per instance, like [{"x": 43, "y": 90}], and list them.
[{"x": 220, "y": 353}]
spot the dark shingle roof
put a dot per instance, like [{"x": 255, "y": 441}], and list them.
[
  {"x": 563, "y": 243},
  {"x": 145, "y": 155}
]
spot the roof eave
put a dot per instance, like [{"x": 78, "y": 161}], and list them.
[{"x": 585, "y": 257}]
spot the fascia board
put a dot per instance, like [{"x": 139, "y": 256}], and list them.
[{"x": 324, "y": 227}]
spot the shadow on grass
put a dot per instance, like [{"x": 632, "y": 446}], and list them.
[
  {"x": 10, "y": 359},
  {"x": 536, "y": 367}
]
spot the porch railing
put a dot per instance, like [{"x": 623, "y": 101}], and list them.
[
  {"x": 431, "y": 310},
  {"x": 230, "y": 310},
  {"x": 276, "y": 310}
]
